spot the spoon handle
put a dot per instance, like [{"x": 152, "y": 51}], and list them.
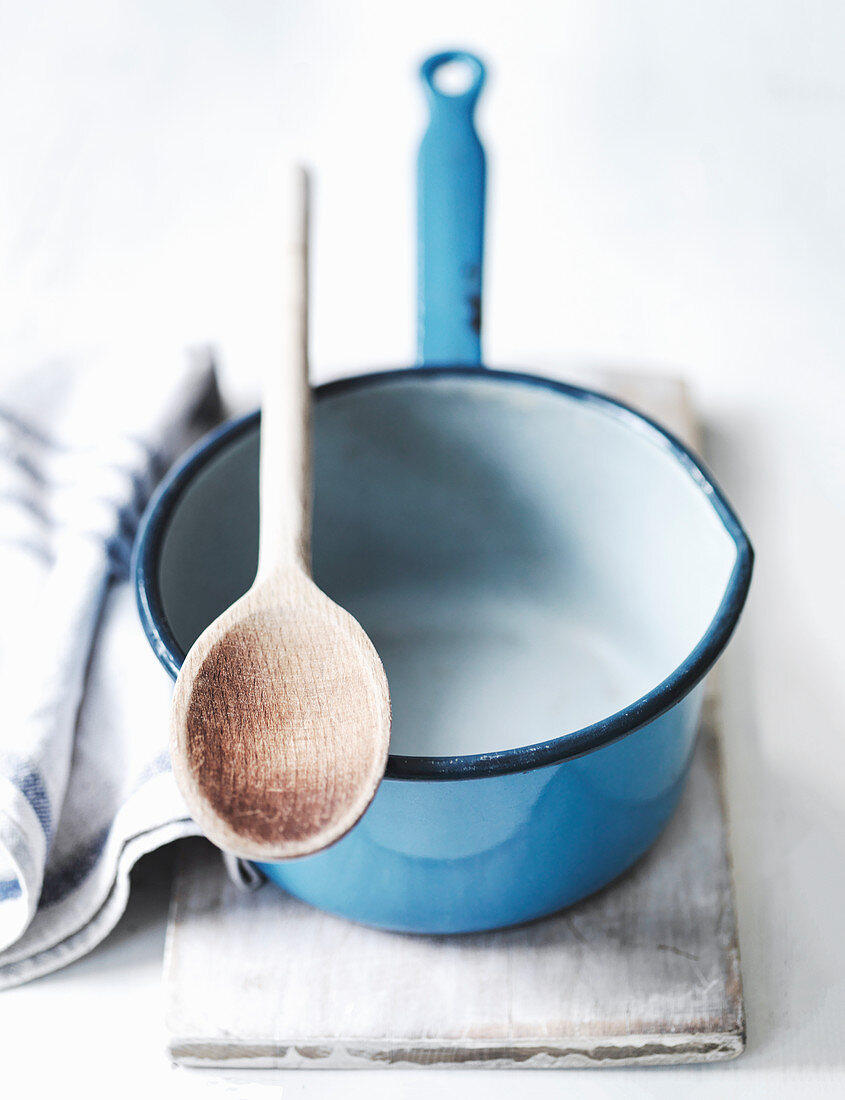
[{"x": 285, "y": 469}]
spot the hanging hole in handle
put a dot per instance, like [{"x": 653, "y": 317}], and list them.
[
  {"x": 454, "y": 74},
  {"x": 453, "y": 78}
]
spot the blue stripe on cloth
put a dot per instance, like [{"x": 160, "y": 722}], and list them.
[
  {"x": 25, "y": 465},
  {"x": 63, "y": 879},
  {"x": 32, "y": 507},
  {"x": 30, "y": 546},
  {"x": 9, "y": 888},
  {"x": 30, "y": 783},
  {"x": 25, "y": 429}
]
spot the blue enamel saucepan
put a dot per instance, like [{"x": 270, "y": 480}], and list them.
[{"x": 546, "y": 574}]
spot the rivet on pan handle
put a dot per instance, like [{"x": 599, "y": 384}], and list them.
[{"x": 450, "y": 214}]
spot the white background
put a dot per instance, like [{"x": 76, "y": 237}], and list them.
[{"x": 667, "y": 191}]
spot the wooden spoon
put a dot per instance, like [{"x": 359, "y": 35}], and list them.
[{"x": 280, "y": 720}]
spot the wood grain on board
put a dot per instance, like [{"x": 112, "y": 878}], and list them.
[{"x": 645, "y": 972}]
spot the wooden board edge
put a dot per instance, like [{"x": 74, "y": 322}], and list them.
[{"x": 635, "y": 1050}]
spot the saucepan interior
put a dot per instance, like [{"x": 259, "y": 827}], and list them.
[{"x": 536, "y": 565}]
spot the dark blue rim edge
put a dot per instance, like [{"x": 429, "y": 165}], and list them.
[{"x": 649, "y": 707}]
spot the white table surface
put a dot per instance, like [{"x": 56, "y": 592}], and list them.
[{"x": 667, "y": 190}]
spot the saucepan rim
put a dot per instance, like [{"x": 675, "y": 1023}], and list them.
[{"x": 574, "y": 743}]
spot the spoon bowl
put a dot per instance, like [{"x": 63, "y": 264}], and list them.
[{"x": 281, "y": 722}]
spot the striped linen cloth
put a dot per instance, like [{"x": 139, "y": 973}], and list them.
[{"x": 85, "y": 780}]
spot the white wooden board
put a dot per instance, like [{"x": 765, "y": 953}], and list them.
[{"x": 646, "y": 972}]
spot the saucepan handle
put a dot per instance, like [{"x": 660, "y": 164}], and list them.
[{"x": 451, "y": 174}]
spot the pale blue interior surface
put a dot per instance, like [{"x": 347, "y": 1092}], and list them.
[{"x": 525, "y": 561}]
